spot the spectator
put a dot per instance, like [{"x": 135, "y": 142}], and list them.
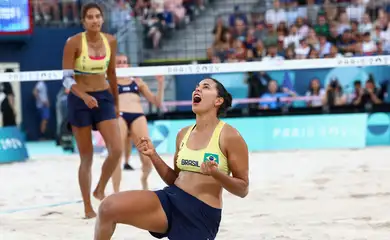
[
  {"x": 257, "y": 86},
  {"x": 7, "y": 106},
  {"x": 272, "y": 54},
  {"x": 366, "y": 24},
  {"x": 271, "y": 37},
  {"x": 258, "y": 51},
  {"x": 312, "y": 38},
  {"x": 46, "y": 9},
  {"x": 355, "y": 10},
  {"x": 367, "y": 96},
  {"x": 220, "y": 28},
  {"x": 43, "y": 105},
  {"x": 154, "y": 29},
  {"x": 290, "y": 53},
  {"x": 322, "y": 27},
  {"x": 302, "y": 51},
  {"x": 271, "y": 99},
  {"x": 260, "y": 31},
  {"x": 311, "y": 12},
  {"x": 177, "y": 9},
  {"x": 313, "y": 54},
  {"x": 293, "y": 38},
  {"x": 334, "y": 94},
  {"x": 346, "y": 44},
  {"x": 73, "y": 4},
  {"x": 293, "y": 12},
  {"x": 303, "y": 29},
  {"x": 275, "y": 15},
  {"x": 334, "y": 35},
  {"x": 315, "y": 90},
  {"x": 385, "y": 38},
  {"x": 357, "y": 93},
  {"x": 368, "y": 46},
  {"x": 237, "y": 15},
  {"x": 240, "y": 30},
  {"x": 344, "y": 23},
  {"x": 334, "y": 52},
  {"x": 323, "y": 46}
]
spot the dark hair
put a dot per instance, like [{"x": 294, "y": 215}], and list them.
[
  {"x": 9, "y": 70},
  {"x": 88, "y": 6},
  {"x": 227, "y": 98}
]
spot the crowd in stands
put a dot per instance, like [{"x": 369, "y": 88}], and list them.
[
  {"x": 158, "y": 17},
  {"x": 316, "y": 29},
  {"x": 54, "y": 12},
  {"x": 274, "y": 96},
  {"x": 161, "y": 17},
  {"x": 295, "y": 29}
]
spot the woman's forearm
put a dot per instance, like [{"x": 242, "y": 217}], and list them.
[{"x": 167, "y": 174}]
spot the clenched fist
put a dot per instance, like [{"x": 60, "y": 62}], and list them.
[{"x": 146, "y": 147}]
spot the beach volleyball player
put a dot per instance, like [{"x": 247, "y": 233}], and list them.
[
  {"x": 210, "y": 156},
  {"x": 93, "y": 101},
  {"x": 132, "y": 117}
]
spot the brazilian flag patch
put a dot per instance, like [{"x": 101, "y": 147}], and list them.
[{"x": 211, "y": 157}]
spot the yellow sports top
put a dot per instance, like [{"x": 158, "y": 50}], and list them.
[
  {"x": 86, "y": 64},
  {"x": 191, "y": 160}
]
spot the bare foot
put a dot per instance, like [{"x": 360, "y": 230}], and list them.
[
  {"x": 98, "y": 194},
  {"x": 90, "y": 214}
]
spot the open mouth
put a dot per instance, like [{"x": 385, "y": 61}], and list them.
[{"x": 197, "y": 98}]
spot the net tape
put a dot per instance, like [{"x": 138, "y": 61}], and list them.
[{"x": 270, "y": 65}]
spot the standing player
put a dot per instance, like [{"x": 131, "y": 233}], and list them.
[
  {"x": 132, "y": 118},
  {"x": 190, "y": 206},
  {"x": 92, "y": 103}
]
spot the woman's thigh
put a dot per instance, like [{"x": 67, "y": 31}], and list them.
[
  {"x": 110, "y": 131},
  {"x": 139, "y": 128},
  {"x": 141, "y": 209}
]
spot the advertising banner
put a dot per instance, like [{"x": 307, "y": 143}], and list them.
[
  {"x": 279, "y": 133},
  {"x": 15, "y": 18},
  {"x": 12, "y": 145},
  {"x": 378, "y": 129}
]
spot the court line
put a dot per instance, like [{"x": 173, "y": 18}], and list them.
[{"x": 39, "y": 207}]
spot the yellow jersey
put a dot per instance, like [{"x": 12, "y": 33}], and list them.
[
  {"x": 191, "y": 160},
  {"x": 86, "y": 64}
]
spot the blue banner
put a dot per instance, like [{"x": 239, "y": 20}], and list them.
[
  {"x": 12, "y": 145},
  {"x": 286, "y": 132},
  {"x": 279, "y": 133}
]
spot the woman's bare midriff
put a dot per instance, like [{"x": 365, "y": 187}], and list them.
[
  {"x": 203, "y": 187},
  {"x": 92, "y": 83},
  {"x": 130, "y": 102}
]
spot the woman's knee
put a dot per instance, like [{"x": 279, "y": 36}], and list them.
[
  {"x": 107, "y": 209},
  {"x": 116, "y": 151},
  {"x": 86, "y": 159},
  {"x": 146, "y": 165}
]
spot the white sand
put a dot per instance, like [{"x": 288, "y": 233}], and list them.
[{"x": 293, "y": 195}]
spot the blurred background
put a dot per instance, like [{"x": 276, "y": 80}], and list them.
[{"x": 171, "y": 32}]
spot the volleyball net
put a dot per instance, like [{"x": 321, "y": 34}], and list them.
[
  {"x": 250, "y": 85},
  {"x": 242, "y": 78}
]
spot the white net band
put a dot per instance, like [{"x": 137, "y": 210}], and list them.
[{"x": 189, "y": 69}]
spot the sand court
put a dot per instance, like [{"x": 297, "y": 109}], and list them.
[{"x": 324, "y": 194}]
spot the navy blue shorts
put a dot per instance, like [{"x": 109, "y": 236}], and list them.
[
  {"x": 44, "y": 113},
  {"x": 130, "y": 117},
  {"x": 188, "y": 217},
  {"x": 80, "y": 115}
]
